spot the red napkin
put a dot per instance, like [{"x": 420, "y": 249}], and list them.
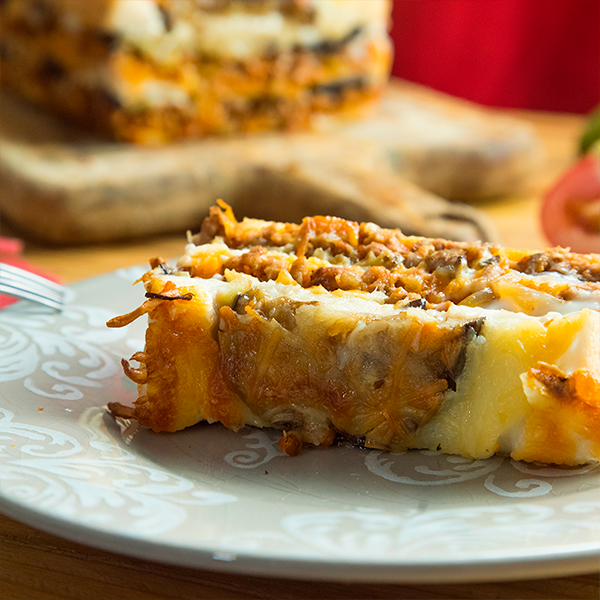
[{"x": 10, "y": 253}]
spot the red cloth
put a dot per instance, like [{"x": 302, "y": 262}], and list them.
[
  {"x": 534, "y": 54},
  {"x": 10, "y": 253}
]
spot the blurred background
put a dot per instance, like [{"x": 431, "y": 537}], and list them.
[{"x": 423, "y": 160}]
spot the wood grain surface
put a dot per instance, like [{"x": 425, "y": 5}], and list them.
[{"x": 37, "y": 566}]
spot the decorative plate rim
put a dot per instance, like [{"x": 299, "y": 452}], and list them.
[
  {"x": 73, "y": 338},
  {"x": 556, "y": 563}
]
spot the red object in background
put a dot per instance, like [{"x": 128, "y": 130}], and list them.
[
  {"x": 571, "y": 209},
  {"x": 533, "y": 54}
]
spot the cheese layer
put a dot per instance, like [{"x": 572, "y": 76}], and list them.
[{"x": 466, "y": 381}]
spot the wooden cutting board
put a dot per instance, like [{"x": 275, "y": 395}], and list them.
[{"x": 62, "y": 185}]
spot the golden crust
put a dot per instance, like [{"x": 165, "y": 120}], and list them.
[
  {"x": 258, "y": 344},
  {"x": 406, "y": 268}
]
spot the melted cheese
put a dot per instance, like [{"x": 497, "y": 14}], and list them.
[
  {"x": 274, "y": 348},
  {"x": 495, "y": 407},
  {"x": 511, "y": 414},
  {"x": 534, "y": 295}
]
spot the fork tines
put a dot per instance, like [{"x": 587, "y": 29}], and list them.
[{"x": 23, "y": 284}]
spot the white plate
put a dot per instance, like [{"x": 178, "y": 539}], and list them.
[{"x": 207, "y": 497}]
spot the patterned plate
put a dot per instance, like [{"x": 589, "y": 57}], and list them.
[{"x": 207, "y": 497}]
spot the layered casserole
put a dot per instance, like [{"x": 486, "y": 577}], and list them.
[
  {"x": 333, "y": 331},
  {"x": 150, "y": 71}
]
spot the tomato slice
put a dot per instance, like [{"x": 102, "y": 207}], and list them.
[{"x": 571, "y": 209}]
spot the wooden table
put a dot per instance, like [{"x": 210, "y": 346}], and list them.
[{"x": 37, "y": 566}]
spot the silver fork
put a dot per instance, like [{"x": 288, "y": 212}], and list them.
[{"x": 23, "y": 284}]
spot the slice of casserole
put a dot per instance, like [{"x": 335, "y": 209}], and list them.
[
  {"x": 150, "y": 71},
  {"x": 332, "y": 330}
]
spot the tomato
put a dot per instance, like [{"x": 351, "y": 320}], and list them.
[{"x": 571, "y": 209}]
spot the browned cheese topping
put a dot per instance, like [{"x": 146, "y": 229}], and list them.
[{"x": 406, "y": 268}]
